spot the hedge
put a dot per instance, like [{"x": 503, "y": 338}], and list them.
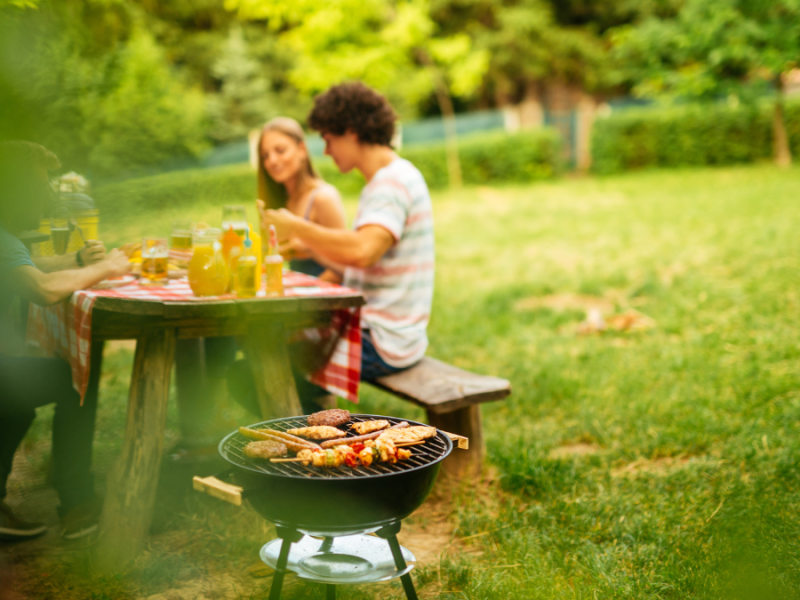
[
  {"x": 692, "y": 135},
  {"x": 177, "y": 188},
  {"x": 493, "y": 157},
  {"x": 485, "y": 158}
]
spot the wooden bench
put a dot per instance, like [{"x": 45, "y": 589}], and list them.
[{"x": 451, "y": 397}]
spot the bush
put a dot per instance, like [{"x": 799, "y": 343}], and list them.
[
  {"x": 693, "y": 135},
  {"x": 148, "y": 119},
  {"x": 220, "y": 185},
  {"x": 348, "y": 184},
  {"x": 494, "y": 157}
]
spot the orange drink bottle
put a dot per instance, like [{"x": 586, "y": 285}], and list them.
[
  {"x": 247, "y": 267},
  {"x": 232, "y": 250},
  {"x": 209, "y": 274}
]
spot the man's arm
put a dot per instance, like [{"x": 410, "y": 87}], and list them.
[
  {"x": 361, "y": 248},
  {"x": 93, "y": 251},
  {"x": 48, "y": 288}
]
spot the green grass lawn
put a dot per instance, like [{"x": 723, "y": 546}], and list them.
[{"x": 658, "y": 464}]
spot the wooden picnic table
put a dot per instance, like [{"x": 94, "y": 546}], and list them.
[{"x": 261, "y": 322}]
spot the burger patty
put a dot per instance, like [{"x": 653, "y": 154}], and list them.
[{"x": 331, "y": 418}]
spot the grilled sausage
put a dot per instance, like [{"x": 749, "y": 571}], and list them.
[
  {"x": 295, "y": 444},
  {"x": 362, "y": 438},
  {"x": 331, "y": 418}
]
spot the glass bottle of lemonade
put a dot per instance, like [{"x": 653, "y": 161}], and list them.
[
  {"x": 208, "y": 271},
  {"x": 273, "y": 265},
  {"x": 247, "y": 267},
  {"x": 256, "y": 239}
]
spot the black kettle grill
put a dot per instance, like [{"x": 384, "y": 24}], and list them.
[{"x": 338, "y": 506}]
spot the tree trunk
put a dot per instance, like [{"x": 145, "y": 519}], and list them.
[
  {"x": 782, "y": 152},
  {"x": 449, "y": 118},
  {"x": 450, "y": 132}
]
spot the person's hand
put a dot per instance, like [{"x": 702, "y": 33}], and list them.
[
  {"x": 117, "y": 263},
  {"x": 93, "y": 251},
  {"x": 282, "y": 219},
  {"x": 293, "y": 249}
]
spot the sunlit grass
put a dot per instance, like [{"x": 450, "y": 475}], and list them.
[{"x": 690, "y": 485}]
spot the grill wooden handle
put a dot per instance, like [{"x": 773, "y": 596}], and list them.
[
  {"x": 218, "y": 489},
  {"x": 463, "y": 442}
]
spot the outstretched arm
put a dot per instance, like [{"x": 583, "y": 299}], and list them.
[
  {"x": 48, "y": 288},
  {"x": 91, "y": 252},
  {"x": 361, "y": 248}
]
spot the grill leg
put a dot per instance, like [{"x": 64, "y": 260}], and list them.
[
  {"x": 330, "y": 591},
  {"x": 389, "y": 533},
  {"x": 288, "y": 536}
]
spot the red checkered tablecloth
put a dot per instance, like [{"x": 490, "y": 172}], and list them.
[{"x": 66, "y": 329}]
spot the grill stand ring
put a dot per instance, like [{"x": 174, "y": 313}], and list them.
[{"x": 389, "y": 533}]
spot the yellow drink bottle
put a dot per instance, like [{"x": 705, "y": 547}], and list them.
[
  {"x": 273, "y": 265},
  {"x": 257, "y": 252},
  {"x": 247, "y": 266}
]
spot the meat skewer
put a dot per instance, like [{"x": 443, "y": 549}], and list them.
[
  {"x": 358, "y": 454},
  {"x": 362, "y": 438},
  {"x": 295, "y": 444}
]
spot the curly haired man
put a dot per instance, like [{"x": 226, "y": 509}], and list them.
[{"x": 389, "y": 254}]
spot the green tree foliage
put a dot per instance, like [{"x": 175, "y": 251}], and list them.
[
  {"x": 534, "y": 42},
  {"x": 148, "y": 117},
  {"x": 93, "y": 84},
  {"x": 394, "y": 46},
  {"x": 244, "y": 100},
  {"x": 713, "y": 48}
]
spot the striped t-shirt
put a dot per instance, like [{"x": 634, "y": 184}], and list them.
[{"x": 399, "y": 287}]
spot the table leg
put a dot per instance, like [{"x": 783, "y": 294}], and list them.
[
  {"x": 131, "y": 486},
  {"x": 272, "y": 371}
]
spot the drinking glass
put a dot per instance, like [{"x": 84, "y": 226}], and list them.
[
  {"x": 155, "y": 254},
  {"x": 234, "y": 215},
  {"x": 181, "y": 235},
  {"x": 60, "y": 231}
]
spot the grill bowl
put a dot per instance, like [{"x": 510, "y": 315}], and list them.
[{"x": 335, "y": 501}]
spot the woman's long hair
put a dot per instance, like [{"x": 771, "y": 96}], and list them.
[{"x": 270, "y": 191}]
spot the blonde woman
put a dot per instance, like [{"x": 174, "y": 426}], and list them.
[{"x": 287, "y": 179}]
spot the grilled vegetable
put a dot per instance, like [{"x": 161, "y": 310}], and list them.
[
  {"x": 331, "y": 418},
  {"x": 355, "y": 456},
  {"x": 265, "y": 449},
  {"x": 365, "y": 427},
  {"x": 319, "y": 432}
]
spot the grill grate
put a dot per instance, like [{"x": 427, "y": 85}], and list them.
[{"x": 232, "y": 450}]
